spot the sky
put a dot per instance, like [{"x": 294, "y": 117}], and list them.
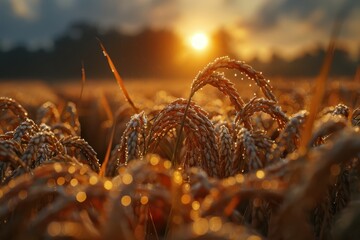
[{"x": 258, "y": 27}]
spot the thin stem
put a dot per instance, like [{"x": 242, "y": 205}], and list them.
[{"x": 178, "y": 138}]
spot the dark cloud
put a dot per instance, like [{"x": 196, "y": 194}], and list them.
[
  {"x": 53, "y": 17},
  {"x": 317, "y": 13}
]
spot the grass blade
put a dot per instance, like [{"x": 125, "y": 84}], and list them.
[
  {"x": 319, "y": 91},
  {"x": 118, "y": 77}
]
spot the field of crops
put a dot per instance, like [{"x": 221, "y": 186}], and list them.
[{"x": 228, "y": 155}]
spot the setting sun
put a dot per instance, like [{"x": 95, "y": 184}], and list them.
[{"x": 199, "y": 41}]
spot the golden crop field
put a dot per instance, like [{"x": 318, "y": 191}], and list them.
[{"x": 228, "y": 155}]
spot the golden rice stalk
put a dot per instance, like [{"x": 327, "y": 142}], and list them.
[
  {"x": 224, "y": 85},
  {"x": 261, "y": 105},
  {"x": 132, "y": 144},
  {"x": 226, "y": 62},
  {"x": 38, "y": 141},
  {"x": 355, "y": 117},
  {"x": 62, "y": 130},
  {"x": 25, "y": 131},
  {"x": 48, "y": 114},
  {"x": 251, "y": 150},
  {"x": 192, "y": 158},
  {"x": 288, "y": 140},
  {"x": 338, "y": 110},
  {"x": 204, "y": 76},
  {"x": 225, "y": 143},
  {"x": 70, "y": 115},
  {"x": 325, "y": 127},
  {"x": 9, "y": 160},
  {"x": 19, "y": 114},
  {"x": 73, "y": 144},
  {"x": 316, "y": 176},
  {"x": 245, "y": 152},
  {"x": 143, "y": 182},
  {"x": 57, "y": 193},
  {"x": 197, "y": 127}
]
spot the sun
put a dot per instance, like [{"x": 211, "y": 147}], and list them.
[{"x": 199, "y": 41}]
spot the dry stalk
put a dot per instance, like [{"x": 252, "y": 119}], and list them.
[
  {"x": 70, "y": 116},
  {"x": 25, "y": 131},
  {"x": 317, "y": 174},
  {"x": 288, "y": 140},
  {"x": 74, "y": 143},
  {"x": 132, "y": 144},
  {"x": 197, "y": 127},
  {"x": 225, "y": 145},
  {"x": 118, "y": 78},
  {"x": 246, "y": 153},
  {"x": 261, "y": 105},
  {"x": 19, "y": 114},
  {"x": 224, "y": 85},
  {"x": 48, "y": 114},
  {"x": 225, "y": 62},
  {"x": 38, "y": 141},
  {"x": 325, "y": 127}
]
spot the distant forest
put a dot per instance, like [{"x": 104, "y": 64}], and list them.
[{"x": 151, "y": 54}]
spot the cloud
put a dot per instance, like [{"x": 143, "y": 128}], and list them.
[
  {"x": 291, "y": 25},
  {"x": 259, "y": 24},
  {"x": 38, "y": 21},
  {"x": 27, "y": 9},
  {"x": 319, "y": 13}
]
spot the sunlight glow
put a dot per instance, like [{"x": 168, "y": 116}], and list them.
[{"x": 199, "y": 41}]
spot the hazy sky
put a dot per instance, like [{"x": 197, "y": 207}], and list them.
[{"x": 258, "y": 26}]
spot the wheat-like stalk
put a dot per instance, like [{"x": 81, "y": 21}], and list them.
[
  {"x": 38, "y": 141},
  {"x": 18, "y": 113},
  {"x": 225, "y": 146},
  {"x": 74, "y": 143},
  {"x": 198, "y": 128},
  {"x": 314, "y": 184},
  {"x": 340, "y": 109},
  {"x": 325, "y": 127},
  {"x": 288, "y": 140},
  {"x": 206, "y": 74},
  {"x": 224, "y": 85},
  {"x": 246, "y": 152},
  {"x": 132, "y": 144},
  {"x": 47, "y": 113},
  {"x": 70, "y": 116},
  {"x": 263, "y": 105},
  {"x": 25, "y": 131}
]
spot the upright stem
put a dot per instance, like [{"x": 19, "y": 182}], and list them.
[{"x": 178, "y": 138}]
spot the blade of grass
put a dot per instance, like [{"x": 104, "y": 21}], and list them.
[
  {"x": 106, "y": 106},
  {"x": 83, "y": 79},
  {"x": 319, "y": 88},
  {"x": 107, "y": 155},
  {"x": 152, "y": 224},
  {"x": 118, "y": 77},
  {"x": 110, "y": 117}
]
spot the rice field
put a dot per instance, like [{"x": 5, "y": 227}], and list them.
[{"x": 227, "y": 155}]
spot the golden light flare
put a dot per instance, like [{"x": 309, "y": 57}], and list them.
[
  {"x": 81, "y": 196},
  {"x": 126, "y": 200},
  {"x": 199, "y": 41},
  {"x": 108, "y": 185},
  {"x": 144, "y": 200}
]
